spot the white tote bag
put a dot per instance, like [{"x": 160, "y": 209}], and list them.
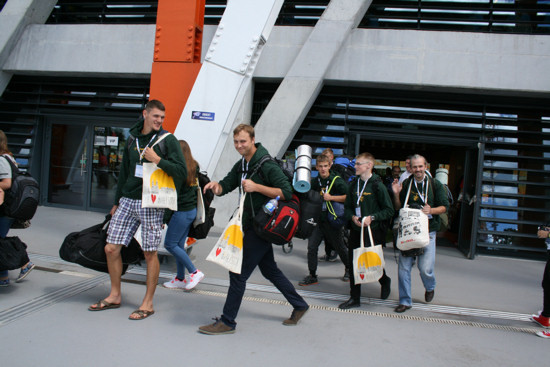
[
  {"x": 414, "y": 228},
  {"x": 368, "y": 262},
  {"x": 228, "y": 251},
  {"x": 159, "y": 190}
]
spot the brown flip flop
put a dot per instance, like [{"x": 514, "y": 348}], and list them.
[
  {"x": 142, "y": 314},
  {"x": 103, "y": 305}
]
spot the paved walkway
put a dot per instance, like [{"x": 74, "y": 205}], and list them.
[{"x": 479, "y": 315}]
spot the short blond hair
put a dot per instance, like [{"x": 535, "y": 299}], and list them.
[{"x": 366, "y": 156}]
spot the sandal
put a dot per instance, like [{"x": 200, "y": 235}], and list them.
[
  {"x": 103, "y": 305},
  {"x": 142, "y": 314}
]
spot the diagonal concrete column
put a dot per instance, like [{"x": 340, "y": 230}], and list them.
[
  {"x": 289, "y": 106},
  {"x": 14, "y": 17},
  {"x": 299, "y": 89}
]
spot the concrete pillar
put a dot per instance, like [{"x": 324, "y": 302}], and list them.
[
  {"x": 301, "y": 86},
  {"x": 299, "y": 89},
  {"x": 14, "y": 17}
]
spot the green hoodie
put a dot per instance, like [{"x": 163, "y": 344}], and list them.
[
  {"x": 375, "y": 202},
  {"x": 271, "y": 172},
  {"x": 338, "y": 188},
  {"x": 172, "y": 163}
]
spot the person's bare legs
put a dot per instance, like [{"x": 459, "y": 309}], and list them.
[
  {"x": 114, "y": 263},
  {"x": 153, "y": 270}
]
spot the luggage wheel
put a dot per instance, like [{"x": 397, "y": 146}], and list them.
[{"x": 287, "y": 247}]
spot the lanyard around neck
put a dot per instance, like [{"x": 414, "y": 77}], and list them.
[
  {"x": 143, "y": 152},
  {"x": 423, "y": 195},
  {"x": 359, "y": 194},
  {"x": 244, "y": 173}
]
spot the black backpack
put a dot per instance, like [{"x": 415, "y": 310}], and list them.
[
  {"x": 13, "y": 253},
  {"x": 311, "y": 204},
  {"x": 22, "y": 198},
  {"x": 201, "y": 231}
]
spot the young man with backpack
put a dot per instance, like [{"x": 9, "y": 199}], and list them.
[
  {"x": 257, "y": 252},
  {"x": 128, "y": 213},
  {"x": 364, "y": 200},
  {"x": 333, "y": 189}
]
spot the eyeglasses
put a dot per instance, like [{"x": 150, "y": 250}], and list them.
[{"x": 360, "y": 163}]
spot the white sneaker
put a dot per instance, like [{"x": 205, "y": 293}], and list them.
[
  {"x": 194, "y": 279},
  {"x": 175, "y": 284}
]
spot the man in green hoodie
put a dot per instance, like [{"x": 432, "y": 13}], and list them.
[
  {"x": 268, "y": 182},
  {"x": 127, "y": 212},
  {"x": 367, "y": 198}
]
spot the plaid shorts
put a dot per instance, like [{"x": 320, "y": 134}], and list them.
[{"x": 126, "y": 220}]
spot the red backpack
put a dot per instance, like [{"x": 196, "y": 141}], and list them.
[{"x": 280, "y": 226}]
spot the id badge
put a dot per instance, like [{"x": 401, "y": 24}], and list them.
[
  {"x": 139, "y": 171},
  {"x": 358, "y": 211},
  {"x": 324, "y": 207}
]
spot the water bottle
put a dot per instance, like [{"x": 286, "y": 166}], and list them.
[{"x": 271, "y": 205}]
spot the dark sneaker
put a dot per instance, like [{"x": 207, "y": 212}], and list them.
[
  {"x": 309, "y": 280},
  {"x": 333, "y": 256},
  {"x": 429, "y": 295},
  {"x": 217, "y": 328},
  {"x": 345, "y": 278},
  {"x": 350, "y": 303},
  {"x": 402, "y": 308},
  {"x": 324, "y": 258},
  {"x": 295, "y": 317},
  {"x": 386, "y": 287}
]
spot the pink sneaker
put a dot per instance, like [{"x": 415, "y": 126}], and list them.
[
  {"x": 541, "y": 320},
  {"x": 194, "y": 279},
  {"x": 175, "y": 284}
]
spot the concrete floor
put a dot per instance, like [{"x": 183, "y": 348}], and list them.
[{"x": 479, "y": 315}]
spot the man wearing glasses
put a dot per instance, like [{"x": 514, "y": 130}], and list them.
[{"x": 367, "y": 198}]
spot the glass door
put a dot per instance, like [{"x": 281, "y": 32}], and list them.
[
  {"x": 83, "y": 161},
  {"x": 68, "y": 169},
  {"x": 108, "y": 147}
]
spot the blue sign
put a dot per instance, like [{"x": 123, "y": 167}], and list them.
[{"x": 199, "y": 115}]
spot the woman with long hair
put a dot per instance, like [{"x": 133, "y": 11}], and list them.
[
  {"x": 180, "y": 223},
  {"x": 6, "y": 222}
]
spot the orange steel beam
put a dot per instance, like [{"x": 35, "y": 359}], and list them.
[{"x": 177, "y": 55}]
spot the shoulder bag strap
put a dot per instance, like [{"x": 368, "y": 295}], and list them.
[{"x": 406, "y": 205}]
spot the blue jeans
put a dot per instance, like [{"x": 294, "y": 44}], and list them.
[
  {"x": 176, "y": 236},
  {"x": 5, "y": 224},
  {"x": 426, "y": 263},
  {"x": 257, "y": 252}
]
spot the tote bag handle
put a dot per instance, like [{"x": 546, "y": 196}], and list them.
[{"x": 363, "y": 232}]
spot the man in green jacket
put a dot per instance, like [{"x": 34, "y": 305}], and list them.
[
  {"x": 367, "y": 198},
  {"x": 268, "y": 182},
  {"x": 431, "y": 196},
  {"x": 127, "y": 212}
]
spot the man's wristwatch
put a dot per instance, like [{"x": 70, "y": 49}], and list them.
[{"x": 372, "y": 218}]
